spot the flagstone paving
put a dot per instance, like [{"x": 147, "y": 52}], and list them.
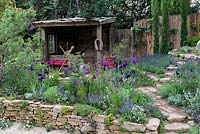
[{"x": 177, "y": 120}]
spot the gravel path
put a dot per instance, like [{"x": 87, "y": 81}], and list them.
[{"x": 16, "y": 129}]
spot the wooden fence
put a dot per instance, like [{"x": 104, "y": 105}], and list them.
[{"x": 175, "y": 32}]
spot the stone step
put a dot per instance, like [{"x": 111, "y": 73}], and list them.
[
  {"x": 169, "y": 73},
  {"x": 176, "y": 117},
  {"x": 164, "y": 80},
  {"x": 177, "y": 126},
  {"x": 171, "y": 68}
]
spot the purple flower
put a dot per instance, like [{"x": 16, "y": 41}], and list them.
[
  {"x": 75, "y": 82},
  {"x": 31, "y": 68},
  {"x": 105, "y": 62},
  {"x": 46, "y": 71},
  {"x": 41, "y": 78},
  {"x": 134, "y": 59},
  {"x": 126, "y": 105},
  {"x": 42, "y": 62},
  {"x": 39, "y": 73},
  {"x": 95, "y": 75},
  {"x": 120, "y": 79},
  {"x": 127, "y": 75},
  {"x": 116, "y": 85},
  {"x": 112, "y": 81}
]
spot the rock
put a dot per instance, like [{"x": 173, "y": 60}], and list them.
[
  {"x": 153, "y": 124},
  {"x": 192, "y": 123},
  {"x": 74, "y": 122},
  {"x": 164, "y": 80},
  {"x": 46, "y": 106},
  {"x": 114, "y": 128},
  {"x": 177, "y": 126},
  {"x": 99, "y": 118},
  {"x": 134, "y": 127},
  {"x": 176, "y": 117},
  {"x": 87, "y": 128},
  {"x": 152, "y": 132},
  {"x": 169, "y": 73},
  {"x": 59, "y": 119},
  {"x": 57, "y": 108},
  {"x": 171, "y": 68}
]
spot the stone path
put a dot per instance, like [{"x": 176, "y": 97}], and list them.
[{"x": 176, "y": 120}]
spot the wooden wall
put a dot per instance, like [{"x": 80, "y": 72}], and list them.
[{"x": 174, "y": 23}]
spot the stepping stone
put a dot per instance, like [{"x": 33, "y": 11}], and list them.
[
  {"x": 192, "y": 123},
  {"x": 164, "y": 80},
  {"x": 153, "y": 77},
  {"x": 153, "y": 124},
  {"x": 177, "y": 126},
  {"x": 176, "y": 117},
  {"x": 165, "y": 109},
  {"x": 169, "y": 74},
  {"x": 158, "y": 86},
  {"x": 172, "y": 68},
  {"x": 170, "y": 133}
]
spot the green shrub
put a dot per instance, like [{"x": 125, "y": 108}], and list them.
[
  {"x": 50, "y": 95},
  {"x": 194, "y": 130},
  {"x": 136, "y": 116},
  {"x": 178, "y": 100},
  {"x": 109, "y": 120},
  {"x": 193, "y": 41},
  {"x": 85, "y": 110},
  {"x": 167, "y": 89}
]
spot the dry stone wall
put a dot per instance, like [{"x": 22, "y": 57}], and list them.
[{"x": 61, "y": 116}]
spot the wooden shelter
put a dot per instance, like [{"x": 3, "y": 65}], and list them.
[{"x": 78, "y": 32}]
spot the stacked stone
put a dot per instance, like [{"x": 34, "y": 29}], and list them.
[{"x": 60, "y": 117}]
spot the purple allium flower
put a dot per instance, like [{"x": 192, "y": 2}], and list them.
[
  {"x": 75, "y": 82},
  {"x": 116, "y": 85}
]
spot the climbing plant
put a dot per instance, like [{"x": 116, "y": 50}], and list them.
[{"x": 155, "y": 9}]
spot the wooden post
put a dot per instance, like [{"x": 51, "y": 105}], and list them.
[
  {"x": 99, "y": 53},
  {"x": 44, "y": 43},
  {"x": 110, "y": 39}
]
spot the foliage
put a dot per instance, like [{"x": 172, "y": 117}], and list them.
[
  {"x": 4, "y": 4},
  {"x": 85, "y": 110},
  {"x": 194, "y": 130},
  {"x": 109, "y": 120},
  {"x": 27, "y": 124},
  {"x": 155, "y": 63},
  {"x": 136, "y": 115},
  {"x": 165, "y": 32},
  {"x": 178, "y": 100},
  {"x": 17, "y": 51},
  {"x": 153, "y": 111},
  {"x": 50, "y": 94},
  {"x": 5, "y": 123},
  {"x": 184, "y": 12},
  {"x": 155, "y": 10},
  {"x": 193, "y": 41}
]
